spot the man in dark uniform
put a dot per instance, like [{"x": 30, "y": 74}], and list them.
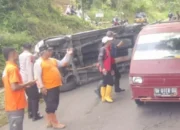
[{"x": 115, "y": 44}]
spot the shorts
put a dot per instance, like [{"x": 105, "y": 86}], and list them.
[
  {"x": 108, "y": 79},
  {"x": 52, "y": 100}
]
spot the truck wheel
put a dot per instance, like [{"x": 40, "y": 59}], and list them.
[
  {"x": 70, "y": 85},
  {"x": 138, "y": 102}
]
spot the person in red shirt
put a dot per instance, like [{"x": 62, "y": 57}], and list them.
[{"x": 15, "y": 101}]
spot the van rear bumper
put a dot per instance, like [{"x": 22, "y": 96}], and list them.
[
  {"x": 164, "y": 99},
  {"x": 146, "y": 94}
]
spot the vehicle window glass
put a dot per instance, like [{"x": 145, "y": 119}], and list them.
[{"x": 157, "y": 46}]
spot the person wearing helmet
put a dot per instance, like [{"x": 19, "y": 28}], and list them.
[
  {"x": 114, "y": 45},
  {"x": 105, "y": 67}
]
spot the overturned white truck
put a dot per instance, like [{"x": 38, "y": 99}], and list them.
[{"x": 86, "y": 47}]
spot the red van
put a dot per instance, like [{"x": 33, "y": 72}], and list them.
[{"x": 155, "y": 65}]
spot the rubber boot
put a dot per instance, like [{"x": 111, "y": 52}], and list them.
[
  {"x": 49, "y": 118},
  {"x": 35, "y": 106},
  {"x": 103, "y": 92},
  {"x": 108, "y": 97},
  {"x": 55, "y": 123}
]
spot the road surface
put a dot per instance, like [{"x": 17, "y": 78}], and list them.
[{"x": 80, "y": 109}]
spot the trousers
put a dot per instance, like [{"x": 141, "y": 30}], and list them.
[
  {"x": 117, "y": 77},
  {"x": 33, "y": 100},
  {"x": 16, "y": 119}
]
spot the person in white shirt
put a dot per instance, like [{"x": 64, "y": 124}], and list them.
[
  {"x": 68, "y": 10},
  {"x": 26, "y": 62}
]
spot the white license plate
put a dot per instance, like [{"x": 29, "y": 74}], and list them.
[{"x": 165, "y": 92}]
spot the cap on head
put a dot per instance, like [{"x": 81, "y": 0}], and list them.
[
  {"x": 106, "y": 39},
  {"x": 42, "y": 48},
  {"x": 110, "y": 34}
]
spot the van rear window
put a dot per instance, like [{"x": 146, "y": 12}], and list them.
[{"x": 157, "y": 46}]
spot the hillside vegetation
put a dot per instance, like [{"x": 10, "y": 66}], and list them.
[
  {"x": 30, "y": 21},
  {"x": 155, "y": 9},
  {"x": 34, "y": 20}
]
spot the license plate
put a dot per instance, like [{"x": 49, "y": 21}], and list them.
[{"x": 165, "y": 92}]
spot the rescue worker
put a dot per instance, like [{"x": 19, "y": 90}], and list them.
[
  {"x": 117, "y": 75},
  {"x": 105, "y": 61},
  {"x": 15, "y": 102},
  {"x": 49, "y": 80},
  {"x": 26, "y": 62}
]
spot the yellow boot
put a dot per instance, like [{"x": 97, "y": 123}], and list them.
[
  {"x": 103, "y": 92},
  {"x": 108, "y": 97}
]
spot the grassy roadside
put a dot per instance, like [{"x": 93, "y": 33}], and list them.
[{"x": 3, "y": 117}]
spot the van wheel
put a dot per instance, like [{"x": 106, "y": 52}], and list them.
[
  {"x": 138, "y": 102},
  {"x": 70, "y": 85}
]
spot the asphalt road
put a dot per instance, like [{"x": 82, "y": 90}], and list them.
[{"x": 80, "y": 109}]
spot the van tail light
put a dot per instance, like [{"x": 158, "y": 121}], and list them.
[{"x": 135, "y": 80}]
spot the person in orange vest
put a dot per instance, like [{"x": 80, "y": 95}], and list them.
[
  {"x": 15, "y": 100},
  {"x": 49, "y": 80}
]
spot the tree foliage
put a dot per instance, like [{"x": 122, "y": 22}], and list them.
[
  {"x": 156, "y": 9},
  {"x": 32, "y": 20}
]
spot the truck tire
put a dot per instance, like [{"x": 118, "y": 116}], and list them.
[
  {"x": 70, "y": 84},
  {"x": 139, "y": 103}
]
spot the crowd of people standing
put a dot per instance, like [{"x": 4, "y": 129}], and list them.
[
  {"x": 32, "y": 75},
  {"x": 28, "y": 77}
]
